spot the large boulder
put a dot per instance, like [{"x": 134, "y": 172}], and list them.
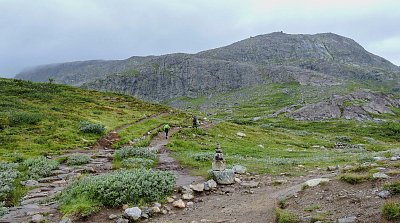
[{"x": 224, "y": 177}]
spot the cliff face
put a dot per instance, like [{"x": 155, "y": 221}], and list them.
[{"x": 321, "y": 59}]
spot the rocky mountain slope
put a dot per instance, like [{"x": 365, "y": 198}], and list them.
[{"x": 320, "y": 59}]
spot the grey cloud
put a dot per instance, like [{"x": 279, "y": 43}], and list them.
[{"x": 50, "y": 31}]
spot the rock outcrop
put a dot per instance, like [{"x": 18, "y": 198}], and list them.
[{"x": 357, "y": 105}]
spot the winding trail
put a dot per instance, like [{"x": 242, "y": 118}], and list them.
[
  {"x": 166, "y": 162},
  {"x": 231, "y": 203},
  {"x": 39, "y": 199}
]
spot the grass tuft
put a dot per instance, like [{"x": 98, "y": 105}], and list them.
[
  {"x": 391, "y": 210},
  {"x": 285, "y": 216}
]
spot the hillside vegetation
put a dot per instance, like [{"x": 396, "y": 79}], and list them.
[{"x": 41, "y": 119}]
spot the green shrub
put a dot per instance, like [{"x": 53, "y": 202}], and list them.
[
  {"x": 394, "y": 187},
  {"x": 133, "y": 162},
  {"x": 78, "y": 159},
  {"x": 354, "y": 178},
  {"x": 391, "y": 210},
  {"x": 284, "y": 216},
  {"x": 3, "y": 210},
  {"x": 130, "y": 151},
  {"x": 40, "y": 167},
  {"x": 8, "y": 174},
  {"x": 136, "y": 186},
  {"x": 202, "y": 156},
  {"x": 89, "y": 127},
  {"x": 20, "y": 118}
]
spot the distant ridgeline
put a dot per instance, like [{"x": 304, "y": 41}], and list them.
[{"x": 332, "y": 63}]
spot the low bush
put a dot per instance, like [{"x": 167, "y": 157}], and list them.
[
  {"x": 129, "y": 151},
  {"x": 135, "y": 186},
  {"x": 354, "y": 178},
  {"x": 394, "y": 187},
  {"x": 40, "y": 167},
  {"x": 8, "y": 174},
  {"x": 89, "y": 127},
  {"x": 391, "y": 210},
  {"x": 20, "y": 118},
  {"x": 202, "y": 156},
  {"x": 133, "y": 162},
  {"x": 3, "y": 210},
  {"x": 78, "y": 159},
  {"x": 285, "y": 216}
]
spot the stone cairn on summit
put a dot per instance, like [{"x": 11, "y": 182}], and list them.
[{"x": 220, "y": 173}]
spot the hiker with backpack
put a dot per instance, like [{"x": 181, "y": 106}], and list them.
[{"x": 166, "y": 129}]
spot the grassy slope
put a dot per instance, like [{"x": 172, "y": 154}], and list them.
[
  {"x": 287, "y": 143},
  {"x": 59, "y": 110}
]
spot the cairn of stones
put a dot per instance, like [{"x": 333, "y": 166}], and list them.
[{"x": 219, "y": 171}]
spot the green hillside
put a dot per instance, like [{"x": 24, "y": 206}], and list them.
[{"x": 45, "y": 118}]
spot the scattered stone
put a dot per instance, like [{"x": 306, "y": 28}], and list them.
[
  {"x": 145, "y": 213},
  {"x": 350, "y": 219},
  {"x": 125, "y": 206},
  {"x": 380, "y": 176},
  {"x": 30, "y": 183},
  {"x": 224, "y": 177},
  {"x": 179, "y": 204},
  {"x": 112, "y": 216},
  {"x": 315, "y": 182},
  {"x": 133, "y": 213},
  {"x": 155, "y": 210},
  {"x": 189, "y": 204},
  {"x": 347, "y": 167},
  {"x": 186, "y": 190},
  {"x": 237, "y": 180},
  {"x": 227, "y": 190},
  {"x": 332, "y": 168},
  {"x": 60, "y": 182},
  {"x": 164, "y": 211},
  {"x": 38, "y": 218},
  {"x": 65, "y": 220},
  {"x": 249, "y": 184},
  {"x": 122, "y": 220},
  {"x": 261, "y": 146},
  {"x": 379, "y": 158},
  {"x": 211, "y": 184},
  {"x": 239, "y": 169},
  {"x": 384, "y": 194},
  {"x": 198, "y": 187},
  {"x": 279, "y": 182},
  {"x": 48, "y": 179},
  {"x": 395, "y": 158},
  {"x": 170, "y": 199},
  {"x": 241, "y": 134},
  {"x": 156, "y": 204},
  {"x": 36, "y": 195},
  {"x": 187, "y": 196}
]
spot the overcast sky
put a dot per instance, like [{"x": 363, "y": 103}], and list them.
[{"x": 34, "y": 32}]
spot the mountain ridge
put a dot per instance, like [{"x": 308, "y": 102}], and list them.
[{"x": 315, "y": 59}]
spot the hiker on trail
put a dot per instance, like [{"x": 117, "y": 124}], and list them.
[
  {"x": 166, "y": 129},
  {"x": 195, "y": 122}
]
